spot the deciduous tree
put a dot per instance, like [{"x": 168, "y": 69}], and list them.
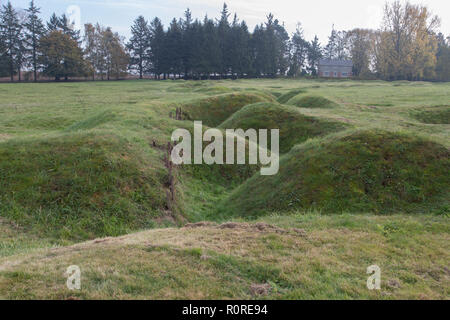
[{"x": 407, "y": 44}]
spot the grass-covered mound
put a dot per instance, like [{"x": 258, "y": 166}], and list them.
[
  {"x": 263, "y": 93},
  {"x": 294, "y": 127},
  {"x": 214, "y": 110},
  {"x": 369, "y": 171},
  {"x": 78, "y": 186},
  {"x": 187, "y": 86},
  {"x": 213, "y": 90},
  {"x": 435, "y": 116},
  {"x": 311, "y": 102},
  {"x": 284, "y": 98}
]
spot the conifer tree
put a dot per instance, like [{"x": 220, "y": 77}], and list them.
[
  {"x": 139, "y": 45},
  {"x": 314, "y": 55},
  {"x": 34, "y": 29},
  {"x": 158, "y": 48},
  {"x": 12, "y": 38}
]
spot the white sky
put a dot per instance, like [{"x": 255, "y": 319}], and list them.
[{"x": 316, "y": 16}]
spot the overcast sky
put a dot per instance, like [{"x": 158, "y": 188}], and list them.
[{"x": 316, "y": 16}]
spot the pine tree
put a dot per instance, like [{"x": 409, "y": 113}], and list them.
[
  {"x": 69, "y": 28},
  {"x": 270, "y": 48},
  {"x": 282, "y": 48},
  {"x": 64, "y": 25},
  {"x": 174, "y": 48},
  {"x": 62, "y": 56},
  {"x": 299, "y": 50},
  {"x": 53, "y": 23},
  {"x": 34, "y": 30},
  {"x": 197, "y": 58},
  {"x": 12, "y": 36},
  {"x": 314, "y": 55},
  {"x": 240, "y": 53},
  {"x": 3, "y": 59},
  {"x": 443, "y": 58},
  {"x": 223, "y": 32},
  {"x": 139, "y": 45},
  {"x": 211, "y": 47},
  {"x": 258, "y": 48},
  {"x": 188, "y": 44},
  {"x": 158, "y": 47},
  {"x": 330, "y": 49}
]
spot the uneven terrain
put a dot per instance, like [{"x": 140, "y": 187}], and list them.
[{"x": 364, "y": 179}]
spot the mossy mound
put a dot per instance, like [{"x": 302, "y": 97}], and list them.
[
  {"x": 311, "y": 102},
  {"x": 435, "y": 116},
  {"x": 214, "y": 110},
  {"x": 294, "y": 127},
  {"x": 284, "y": 98},
  {"x": 368, "y": 171},
  {"x": 78, "y": 186}
]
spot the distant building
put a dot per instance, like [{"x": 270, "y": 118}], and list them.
[{"x": 335, "y": 68}]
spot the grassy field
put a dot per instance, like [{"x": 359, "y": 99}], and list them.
[{"x": 364, "y": 179}]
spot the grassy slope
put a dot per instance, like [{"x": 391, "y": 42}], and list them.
[
  {"x": 212, "y": 111},
  {"x": 436, "y": 115},
  {"x": 135, "y": 113},
  {"x": 326, "y": 260},
  {"x": 295, "y": 128},
  {"x": 285, "y": 97},
  {"x": 367, "y": 171},
  {"x": 311, "y": 102}
]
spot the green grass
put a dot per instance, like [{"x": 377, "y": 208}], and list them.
[
  {"x": 311, "y": 102},
  {"x": 213, "y": 111},
  {"x": 85, "y": 160},
  {"x": 368, "y": 171},
  {"x": 328, "y": 262},
  {"x": 284, "y": 98},
  {"x": 295, "y": 127},
  {"x": 437, "y": 115},
  {"x": 78, "y": 186}
]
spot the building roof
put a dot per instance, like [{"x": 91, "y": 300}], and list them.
[{"x": 335, "y": 62}]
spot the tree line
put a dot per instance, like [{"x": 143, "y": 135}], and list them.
[{"x": 406, "y": 46}]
